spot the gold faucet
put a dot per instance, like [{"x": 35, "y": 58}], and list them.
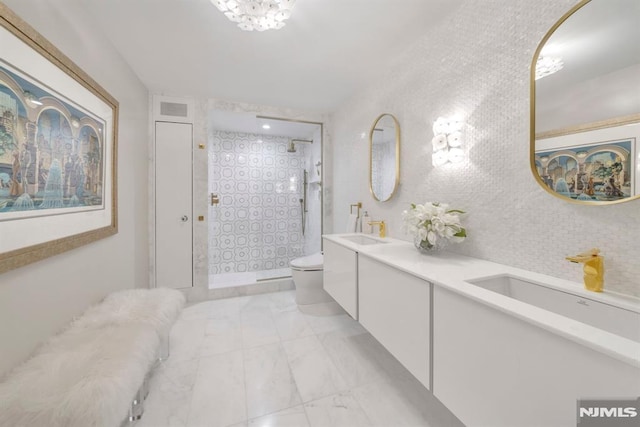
[
  {"x": 593, "y": 268},
  {"x": 383, "y": 227}
]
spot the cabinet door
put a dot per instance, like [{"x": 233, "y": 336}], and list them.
[
  {"x": 395, "y": 308},
  {"x": 173, "y": 177},
  {"x": 340, "y": 276},
  {"x": 492, "y": 369}
]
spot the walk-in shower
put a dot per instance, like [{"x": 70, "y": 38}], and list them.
[{"x": 268, "y": 195}]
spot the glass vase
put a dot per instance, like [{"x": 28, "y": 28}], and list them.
[{"x": 425, "y": 247}]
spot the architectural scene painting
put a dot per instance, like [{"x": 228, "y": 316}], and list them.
[
  {"x": 596, "y": 172},
  {"x": 51, "y": 152}
]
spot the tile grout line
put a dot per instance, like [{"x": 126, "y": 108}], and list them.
[
  {"x": 193, "y": 387},
  {"x": 246, "y": 391},
  {"x": 291, "y": 374},
  {"x": 244, "y": 368},
  {"x": 286, "y": 356}
]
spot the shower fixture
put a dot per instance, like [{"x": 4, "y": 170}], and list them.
[
  {"x": 303, "y": 200},
  {"x": 293, "y": 142}
]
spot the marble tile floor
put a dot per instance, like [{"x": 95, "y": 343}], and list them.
[{"x": 259, "y": 361}]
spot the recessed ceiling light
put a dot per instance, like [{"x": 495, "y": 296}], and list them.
[{"x": 266, "y": 126}]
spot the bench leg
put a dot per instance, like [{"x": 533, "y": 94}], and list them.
[
  {"x": 164, "y": 347},
  {"x": 135, "y": 412},
  {"x": 144, "y": 390},
  {"x": 137, "y": 406}
]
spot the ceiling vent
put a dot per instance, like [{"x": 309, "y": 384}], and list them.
[{"x": 173, "y": 109}]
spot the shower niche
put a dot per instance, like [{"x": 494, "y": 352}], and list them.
[{"x": 265, "y": 172}]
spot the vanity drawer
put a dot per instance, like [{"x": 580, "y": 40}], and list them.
[
  {"x": 394, "y": 307},
  {"x": 340, "y": 278}
]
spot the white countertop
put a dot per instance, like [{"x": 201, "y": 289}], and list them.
[{"x": 451, "y": 271}]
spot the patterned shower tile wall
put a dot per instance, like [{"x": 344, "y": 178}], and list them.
[{"x": 257, "y": 224}]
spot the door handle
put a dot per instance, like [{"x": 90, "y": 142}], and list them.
[{"x": 184, "y": 218}]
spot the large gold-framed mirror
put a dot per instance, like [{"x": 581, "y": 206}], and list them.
[
  {"x": 585, "y": 104},
  {"x": 384, "y": 157}
]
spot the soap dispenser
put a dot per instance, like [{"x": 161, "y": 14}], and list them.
[
  {"x": 593, "y": 268},
  {"x": 366, "y": 226}
]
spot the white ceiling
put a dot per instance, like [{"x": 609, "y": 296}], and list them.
[{"x": 326, "y": 52}]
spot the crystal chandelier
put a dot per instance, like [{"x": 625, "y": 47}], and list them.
[
  {"x": 257, "y": 15},
  {"x": 547, "y": 65}
]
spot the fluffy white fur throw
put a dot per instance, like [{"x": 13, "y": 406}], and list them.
[
  {"x": 157, "y": 307},
  {"x": 80, "y": 378},
  {"x": 88, "y": 375}
]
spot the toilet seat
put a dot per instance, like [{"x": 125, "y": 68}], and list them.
[{"x": 313, "y": 262}]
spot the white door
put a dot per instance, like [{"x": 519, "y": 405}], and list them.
[{"x": 174, "y": 235}]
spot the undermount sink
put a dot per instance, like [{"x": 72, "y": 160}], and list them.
[
  {"x": 576, "y": 306},
  {"x": 362, "y": 240},
  {"x": 503, "y": 284}
]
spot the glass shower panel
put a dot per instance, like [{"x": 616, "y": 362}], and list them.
[{"x": 256, "y": 229}]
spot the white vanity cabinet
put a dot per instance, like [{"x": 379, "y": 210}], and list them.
[
  {"x": 492, "y": 359},
  {"x": 493, "y": 369},
  {"x": 340, "y": 278},
  {"x": 394, "y": 307}
]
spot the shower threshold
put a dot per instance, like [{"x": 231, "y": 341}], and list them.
[{"x": 226, "y": 280}]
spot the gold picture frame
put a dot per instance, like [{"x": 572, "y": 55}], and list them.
[{"x": 58, "y": 150}]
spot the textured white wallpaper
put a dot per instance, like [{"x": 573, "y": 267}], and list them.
[{"x": 476, "y": 65}]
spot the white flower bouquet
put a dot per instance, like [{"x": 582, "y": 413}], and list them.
[{"x": 433, "y": 223}]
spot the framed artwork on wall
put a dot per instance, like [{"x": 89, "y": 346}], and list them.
[
  {"x": 593, "y": 166},
  {"x": 58, "y": 150}
]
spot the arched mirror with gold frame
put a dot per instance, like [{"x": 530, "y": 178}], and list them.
[
  {"x": 384, "y": 157},
  {"x": 585, "y": 104}
]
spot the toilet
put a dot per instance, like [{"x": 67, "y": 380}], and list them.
[{"x": 307, "y": 277}]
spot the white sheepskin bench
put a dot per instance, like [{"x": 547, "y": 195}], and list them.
[
  {"x": 82, "y": 378},
  {"x": 94, "y": 373},
  {"x": 158, "y": 308}
]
